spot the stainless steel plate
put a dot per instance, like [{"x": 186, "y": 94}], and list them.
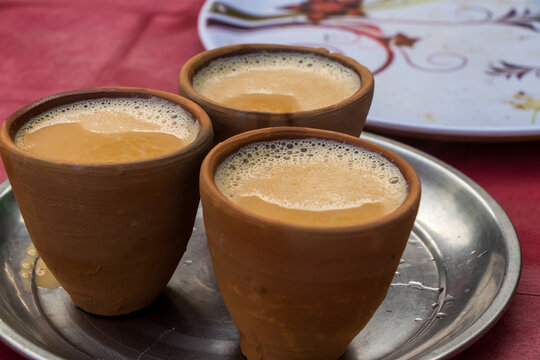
[{"x": 457, "y": 275}]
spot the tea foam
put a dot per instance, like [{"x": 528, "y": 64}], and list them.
[
  {"x": 142, "y": 114},
  {"x": 311, "y": 174},
  {"x": 314, "y": 81}
]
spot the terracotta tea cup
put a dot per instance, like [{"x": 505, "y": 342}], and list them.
[
  {"x": 347, "y": 116},
  {"x": 294, "y": 291},
  {"x": 111, "y": 233}
]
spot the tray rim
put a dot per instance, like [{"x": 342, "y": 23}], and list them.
[
  {"x": 496, "y": 309},
  {"x": 508, "y": 287}
]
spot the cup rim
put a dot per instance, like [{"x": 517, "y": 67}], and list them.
[
  {"x": 197, "y": 62},
  {"x": 233, "y": 144},
  {"x": 49, "y": 102}
]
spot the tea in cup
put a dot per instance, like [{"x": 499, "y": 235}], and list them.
[
  {"x": 306, "y": 229},
  {"x": 251, "y": 86},
  {"x": 107, "y": 183}
]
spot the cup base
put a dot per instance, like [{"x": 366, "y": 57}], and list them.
[
  {"x": 112, "y": 311},
  {"x": 256, "y": 351}
]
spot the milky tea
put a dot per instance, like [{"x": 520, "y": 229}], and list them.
[
  {"x": 312, "y": 182},
  {"x": 276, "y": 82},
  {"x": 108, "y": 130}
]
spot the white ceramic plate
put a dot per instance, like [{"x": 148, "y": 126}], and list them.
[{"x": 462, "y": 69}]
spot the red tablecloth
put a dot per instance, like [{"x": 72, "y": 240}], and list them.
[{"x": 56, "y": 45}]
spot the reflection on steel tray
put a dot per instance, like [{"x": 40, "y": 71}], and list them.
[{"x": 457, "y": 275}]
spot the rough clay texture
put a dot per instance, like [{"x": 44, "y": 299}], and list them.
[
  {"x": 348, "y": 116},
  {"x": 300, "y": 292},
  {"x": 112, "y": 235}
]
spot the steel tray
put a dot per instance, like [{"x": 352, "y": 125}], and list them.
[{"x": 457, "y": 275}]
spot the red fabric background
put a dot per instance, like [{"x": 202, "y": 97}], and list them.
[{"x": 56, "y": 45}]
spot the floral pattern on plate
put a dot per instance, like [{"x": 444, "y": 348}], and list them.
[{"x": 454, "y": 69}]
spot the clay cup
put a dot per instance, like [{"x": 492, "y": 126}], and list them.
[
  {"x": 111, "y": 233},
  {"x": 301, "y": 292},
  {"x": 347, "y": 116}
]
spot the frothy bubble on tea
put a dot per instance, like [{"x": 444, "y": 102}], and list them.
[
  {"x": 312, "y": 182},
  {"x": 276, "y": 81},
  {"x": 109, "y": 130}
]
